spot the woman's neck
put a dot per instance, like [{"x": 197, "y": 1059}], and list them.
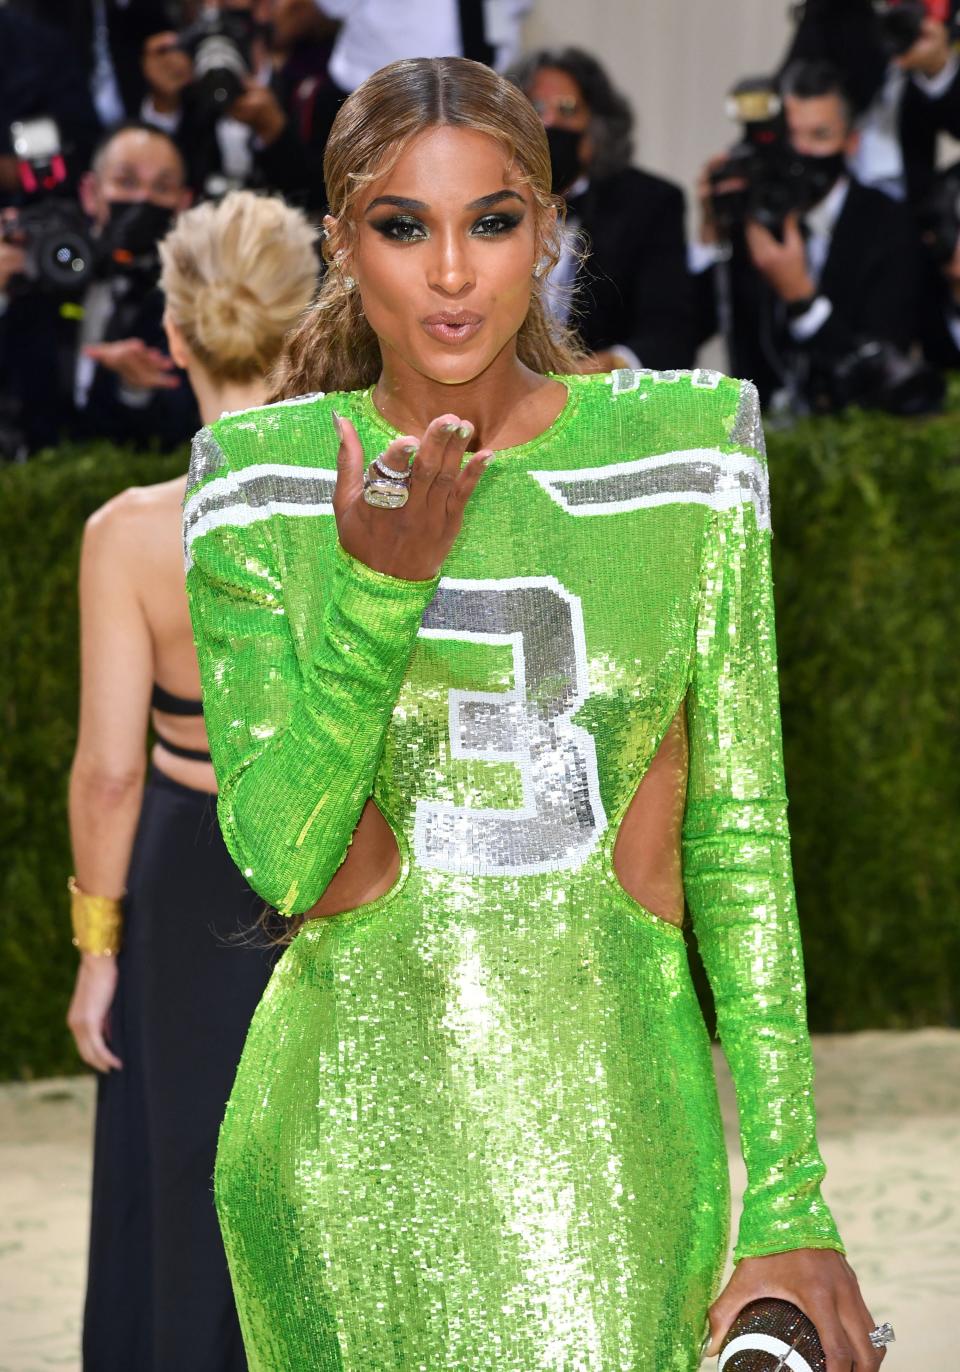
[
  {"x": 215, "y": 398},
  {"x": 507, "y": 403}
]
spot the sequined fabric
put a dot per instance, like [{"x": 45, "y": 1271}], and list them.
[{"x": 475, "y": 1125}]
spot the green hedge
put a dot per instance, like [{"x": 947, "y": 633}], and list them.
[
  {"x": 43, "y": 505},
  {"x": 866, "y": 511}
]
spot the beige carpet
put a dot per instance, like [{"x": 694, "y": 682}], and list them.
[{"x": 890, "y": 1129}]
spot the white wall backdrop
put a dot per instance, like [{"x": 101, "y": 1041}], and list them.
[{"x": 675, "y": 60}]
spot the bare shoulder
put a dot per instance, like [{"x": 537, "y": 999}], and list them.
[{"x": 136, "y": 522}]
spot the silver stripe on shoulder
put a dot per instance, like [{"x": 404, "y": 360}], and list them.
[
  {"x": 747, "y": 430},
  {"x": 699, "y": 476},
  {"x": 206, "y": 458},
  {"x": 253, "y": 494}
]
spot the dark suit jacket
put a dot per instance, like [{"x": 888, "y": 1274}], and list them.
[
  {"x": 634, "y": 287},
  {"x": 939, "y": 346},
  {"x": 38, "y": 356},
  {"x": 128, "y": 25},
  {"x": 871, "y": 278},
  {"x": 290, "y": 166},
  {"x": 40, "y": 76},
  {"x": 845, "y": 32},
  {"x": 169, "y": 418}
]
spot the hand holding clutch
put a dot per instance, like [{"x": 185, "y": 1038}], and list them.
[{"x": 822, "y": 1286}]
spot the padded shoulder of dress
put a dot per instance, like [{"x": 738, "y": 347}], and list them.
[{"x": 268, "y": 416}]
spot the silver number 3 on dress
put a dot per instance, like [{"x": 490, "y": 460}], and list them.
[{"x": 561, "y": 818}]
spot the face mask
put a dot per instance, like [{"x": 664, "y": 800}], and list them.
[
  {"x": 130, "y": 236},
  {"x": 817, "y": 176},
  {"x": 564, "y": 158}
]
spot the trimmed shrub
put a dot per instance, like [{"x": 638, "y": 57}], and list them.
[
  {"x": 43, "y": 506},
  {"x": 866, "y": 510}
]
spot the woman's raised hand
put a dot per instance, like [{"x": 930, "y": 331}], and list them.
[{"x": 413, "y": 541}]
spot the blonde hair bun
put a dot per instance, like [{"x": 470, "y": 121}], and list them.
[
  {"x": 237, "y": 276},
  {"x": 228, "y": 322}
]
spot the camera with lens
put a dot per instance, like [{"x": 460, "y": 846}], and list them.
[
  {"x": 219, "y": 45},
  {"x": 48, "y": 225},
  {"x": 901, "y": 24},
  {"x": 776, "y": 181},
  {"x": 129, "y": 246},
  {"x": 876, "y": 375}
]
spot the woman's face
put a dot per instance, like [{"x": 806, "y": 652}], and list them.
[{"x": 443, "y": 255}]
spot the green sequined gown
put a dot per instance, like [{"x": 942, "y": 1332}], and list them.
[{"x": 475, "y": 1125}]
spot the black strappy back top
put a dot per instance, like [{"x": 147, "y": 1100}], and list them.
[{"x": 170, "y": 704}]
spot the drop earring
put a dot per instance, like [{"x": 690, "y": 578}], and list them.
[
  {"x": 541, "y": 267},
  {"x": 346, "y": 279}
]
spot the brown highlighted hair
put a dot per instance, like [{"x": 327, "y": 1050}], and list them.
[
  {"x": 237, "y": 276},
  {"x": 334, "y": 348}
]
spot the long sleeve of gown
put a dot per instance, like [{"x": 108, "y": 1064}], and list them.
[
  {"x": 295, "y": 738},
  {"x": 739, "y": 881}
]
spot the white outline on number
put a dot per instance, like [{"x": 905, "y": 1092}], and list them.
[{"x": 429, "y": 811}]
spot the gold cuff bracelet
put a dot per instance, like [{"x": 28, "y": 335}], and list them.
[{"x": 97, "y": 921}]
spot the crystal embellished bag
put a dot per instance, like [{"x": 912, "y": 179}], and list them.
[{"x": 771, "y": 1336}]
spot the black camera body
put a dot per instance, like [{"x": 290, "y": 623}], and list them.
[
  {"x": 876, "y": 375},
  {"x": 62, "y": 253},
  {"x": 776, "y": 182},
  {"x": 219, "y": 45},
  {"x": 901, "y": 24},
  {"x": 48, "y": 223},
  {"x": 56, "y": 241}
]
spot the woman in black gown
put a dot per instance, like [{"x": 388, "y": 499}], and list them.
[{"x": 164, "y": 1021}]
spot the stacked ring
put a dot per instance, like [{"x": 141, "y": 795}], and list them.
[
  {"x": 882, "y": 1335},
  {"x": 384, "y": 487}
]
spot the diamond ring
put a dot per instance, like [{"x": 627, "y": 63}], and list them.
[
  {"x": 882, "y": 1335},
  {"x": 384, "y": 487}
]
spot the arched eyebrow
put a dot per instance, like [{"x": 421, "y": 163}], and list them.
[{"x": 486, "y": 202}]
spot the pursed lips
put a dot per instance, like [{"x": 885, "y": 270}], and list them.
[{"x": 452, "y": 326}]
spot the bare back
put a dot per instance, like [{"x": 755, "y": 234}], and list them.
[
  {"x": 160, "y": 581},
  {"x": 137, "y": 632}
]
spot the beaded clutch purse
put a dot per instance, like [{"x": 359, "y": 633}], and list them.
[{"x": 771, "y": 1336}]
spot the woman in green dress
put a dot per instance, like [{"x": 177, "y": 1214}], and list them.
[{"x": 483, "y": 715}]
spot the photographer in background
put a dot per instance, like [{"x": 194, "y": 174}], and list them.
[
  {"x": 842, "y": 271},
  {"x": 231, "y": 90},
  {"x": 630, "y": 298},
  {"x": 104, "y": 39},
  {"x": 97, "y": 365},
  {"x": 41, "y": 75},
  {"x": 900, "y": 67}
]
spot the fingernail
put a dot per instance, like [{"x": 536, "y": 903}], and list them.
[
  {"x": 465, "y": 430},
  {"x": 485, "y": 461},
  {"x": 337, "y": 424},
  {"x": 409, "y": 449},
  {"x": 449, "y": 428}
]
